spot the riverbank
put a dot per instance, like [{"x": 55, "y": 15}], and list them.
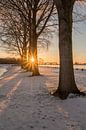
[{"x": 25, "y": 102}]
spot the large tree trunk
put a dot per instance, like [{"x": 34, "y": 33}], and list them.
[
  {"x": 35, "y": 69},
  {"x": 24, "y": 50},
  {"x": 33, "y": 44},
  {"x": 66, "y": 76},
  {"x": 23, "y": 58},
  {"x": 33, "y": 52}
]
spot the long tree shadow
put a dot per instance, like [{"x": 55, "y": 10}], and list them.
[
  {"x": 18, "y": 95},
  {"x": 27, "y": 105}
]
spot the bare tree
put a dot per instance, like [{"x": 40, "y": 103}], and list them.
[
  {"x": 66, "y": 76},
  {"x": 37, "y": 13},
  {"x": 14, "y": 32},
  {"x": 39, "y": 20}
]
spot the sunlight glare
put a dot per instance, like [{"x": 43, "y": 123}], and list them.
[{"x": 32, "y": 59}]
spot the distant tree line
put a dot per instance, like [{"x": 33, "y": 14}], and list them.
[{"x": 9, "y": 61}]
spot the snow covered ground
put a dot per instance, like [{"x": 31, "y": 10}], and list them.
[{"x": 25, "y": 102}]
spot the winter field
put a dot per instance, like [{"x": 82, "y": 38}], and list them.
[{"x": 26, "y": 103}]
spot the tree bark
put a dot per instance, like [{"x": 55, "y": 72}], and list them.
[
  {"x": 33, "y": 44},
  {"x": 66, "y": 75},
  {"x": 24, "y": 58},
  {"x": 33, "y": 52}
]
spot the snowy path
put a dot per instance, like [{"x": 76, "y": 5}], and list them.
[{"x": 25, "y": 103}]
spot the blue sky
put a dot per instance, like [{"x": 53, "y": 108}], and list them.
[
  {"x": 79, "y": 42},
  {"x": 79, "y": 39},
  {"x": 79, "y": 45}
]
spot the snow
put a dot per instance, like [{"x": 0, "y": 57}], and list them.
[{"x": 25, "y": 102}]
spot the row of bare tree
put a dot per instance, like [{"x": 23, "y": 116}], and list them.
[{"x": 26, "y": 23}]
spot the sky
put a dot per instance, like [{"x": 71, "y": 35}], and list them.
[
  {"x": 52, "y": 54},
  {"x": 79, "y": 43},
  {"x": 79, "y": 46},
  {"x": 79, "y": 39}
]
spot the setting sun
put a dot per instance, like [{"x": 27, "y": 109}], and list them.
[{"x": 32, "y": 59}]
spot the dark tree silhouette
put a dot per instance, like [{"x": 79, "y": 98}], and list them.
[
  {"x": 66, "y": 75},
  {"x": 37, "y": 13},
  {"x": 15, "y": 30}
]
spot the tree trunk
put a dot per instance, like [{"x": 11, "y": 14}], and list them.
[
  {"x": 24, "y": 58},
  {"x": 21, "y": 63},
  {"x": 35, "y": 69},
  {"x": 66, "y": 76},
  {"x": 33, "y": 44},
  {"x": 24, "y": 50}
]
